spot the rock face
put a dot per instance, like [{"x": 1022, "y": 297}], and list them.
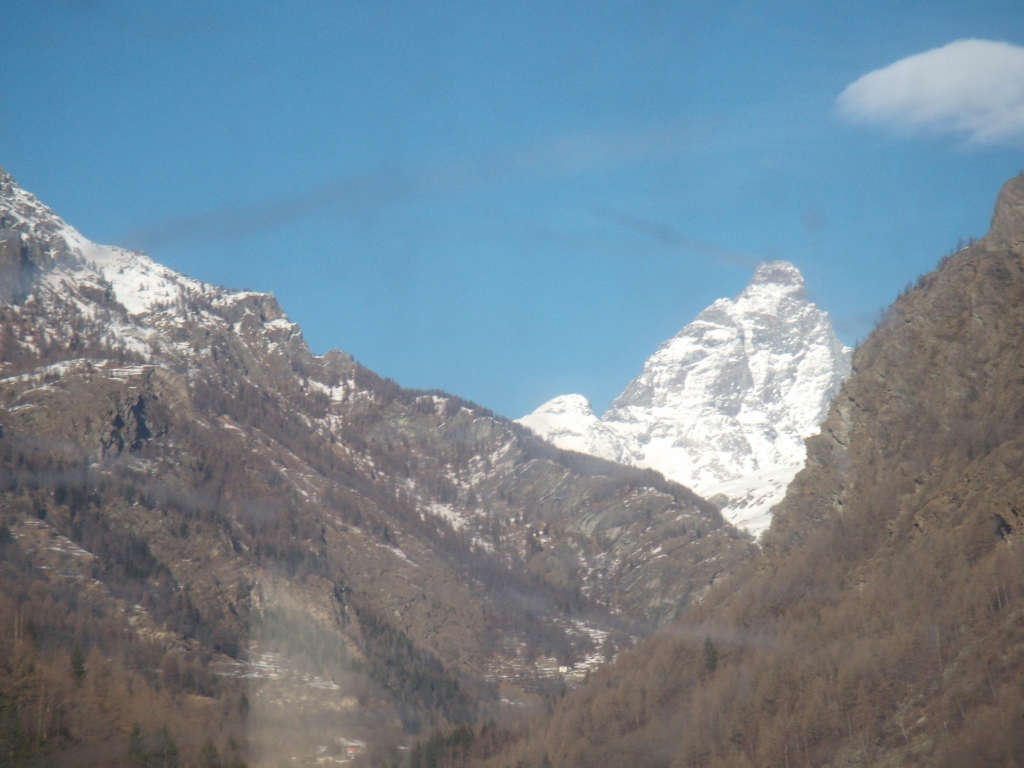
[
  {"x": 883, "y": 621},
  {"x": 350, "y": 558},
  {"x": 932, "y": 416},
  {"x": 724, "y": 406}
]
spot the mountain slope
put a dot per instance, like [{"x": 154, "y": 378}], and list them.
[
  {"x": 278, "y": 550},
  {"x": 724, "y": 406},
  {"x": 884, "y": 622}
]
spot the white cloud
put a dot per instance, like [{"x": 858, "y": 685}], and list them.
[{"x": 973, "y": 88}]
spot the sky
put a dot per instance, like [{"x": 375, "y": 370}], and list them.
[{"x": 512, "y": 201}]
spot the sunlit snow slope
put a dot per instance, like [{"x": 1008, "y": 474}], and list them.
[{"x": 723, "y": 406}]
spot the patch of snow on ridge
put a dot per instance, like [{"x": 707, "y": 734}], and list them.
[
  {"x": 140, "y": 285},
  {"x": 725, "y": 405}
]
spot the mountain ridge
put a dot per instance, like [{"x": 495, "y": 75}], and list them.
[
  {"x": 308, "y": 551},
  {"x": 881, "y": 622}
]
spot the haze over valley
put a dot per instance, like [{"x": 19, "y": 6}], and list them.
[{"x": 537, "y": 386}]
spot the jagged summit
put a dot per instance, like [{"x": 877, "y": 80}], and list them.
[
  {"x": 723, "y": 406},
  {"x": 5, "y": 180},
  {"x": 1007, "y": 229},
  {"x": 777, "y": 273},
  {"x": 33, "y": 238},
  {"x": 569, "y": 422},
  {"x": 112, "y": 302}
]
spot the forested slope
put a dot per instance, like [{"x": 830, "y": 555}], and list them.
[
  {"x": 884, "y": 622},
  {"x": 238, "y": 546}
]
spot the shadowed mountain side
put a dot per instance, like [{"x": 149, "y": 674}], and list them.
[{"x": 883, "y": 624}]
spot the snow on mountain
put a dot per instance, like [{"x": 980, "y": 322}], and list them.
[
  {"x": 67, "y": 284},
  {"x": 432, "y": 508},
  {"x": 723, "y": 406},
  {"x": 138, "y": 283},
  {"x": 570, "y": 423}
]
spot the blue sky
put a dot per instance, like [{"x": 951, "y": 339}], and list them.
[{"x": 514, "y": 201}]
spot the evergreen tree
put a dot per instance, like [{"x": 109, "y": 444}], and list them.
[{"x": 710, "y": 655}]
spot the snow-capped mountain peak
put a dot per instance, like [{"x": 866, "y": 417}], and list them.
[
  {"x": 136, "y": 282},
  {"x": 59, "y": 282},
  {"x": 777, "y": 273},
  {"x": 723, "y": 406},
  {"x": 570, "y": 423}
]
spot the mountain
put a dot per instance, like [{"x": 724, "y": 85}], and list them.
[
  {"x": 725, "y": 405},
  {"x": 217, "y": 546},
  {"x": 882, "y": 623}
]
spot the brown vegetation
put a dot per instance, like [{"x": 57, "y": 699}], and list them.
[
  {"x": 78, "y": 687},
  {"x": 884, "y": 624},
  {"x": 273, "y": 554}
]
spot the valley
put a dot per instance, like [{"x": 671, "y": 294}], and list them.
[
  {"x": 227, "y": 497},
  {"x": 220, "y": 549}
]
